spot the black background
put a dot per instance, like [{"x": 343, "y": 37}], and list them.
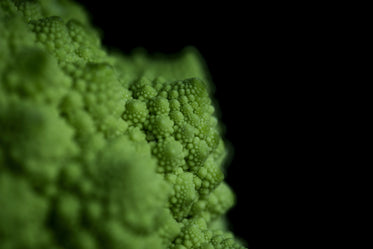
[{"x": 247, "y": 50}]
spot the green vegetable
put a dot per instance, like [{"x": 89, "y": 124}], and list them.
[{"x": 103, "y": 150}]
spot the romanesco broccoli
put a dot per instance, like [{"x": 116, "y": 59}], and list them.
[{"x": 103, "y": 150}]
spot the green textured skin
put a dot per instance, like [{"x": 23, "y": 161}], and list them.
[{"x": 103, "y": 150}]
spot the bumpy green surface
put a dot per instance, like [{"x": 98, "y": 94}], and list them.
[{"x": 101, "y": 150}]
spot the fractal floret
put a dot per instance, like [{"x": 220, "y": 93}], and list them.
[{"x": 100, "y": 150}]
